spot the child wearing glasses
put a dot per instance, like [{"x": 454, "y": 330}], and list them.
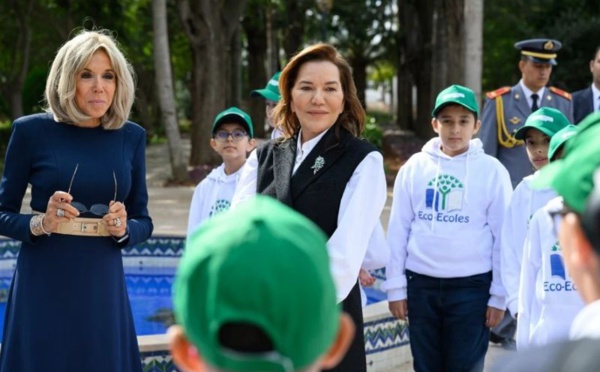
[
  {"x": 233, "y": 139},
  {"x": 539, "y": 127},
  {"x": 548, "y": 298},
  {"x": 443, "y": 234}
]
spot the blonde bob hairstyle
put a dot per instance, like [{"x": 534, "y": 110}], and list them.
[
  {"x": 70, "y": 60},
  {"x": 353, "y": 115}
]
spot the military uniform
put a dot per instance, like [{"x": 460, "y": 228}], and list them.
[
  {"x": 506, "y": 109},
  {"x": 504, "y": 112}
]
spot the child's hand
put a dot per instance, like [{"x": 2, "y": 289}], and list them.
[
  {"x": 399, "y": 309},
  {"x": 366, "y": 280},
  {"x": 493, "y": 316}
]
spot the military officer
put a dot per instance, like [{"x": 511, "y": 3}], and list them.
[{"x": 507, "y": 108}]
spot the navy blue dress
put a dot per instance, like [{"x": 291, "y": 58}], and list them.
[{"x": 68, "y": 308}]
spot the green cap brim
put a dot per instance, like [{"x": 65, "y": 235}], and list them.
[
  {"x": 437, "y": 110},
  {"x": 267, "y": 94},
  {"x": 522, "y": 132}
]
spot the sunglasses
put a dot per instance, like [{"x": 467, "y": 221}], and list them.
[{"x": 96, "y": 209}]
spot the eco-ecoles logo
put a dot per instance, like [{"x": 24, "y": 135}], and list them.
[
  {"x": 448, "y": 196},
  {"x": 444, "y": 194},
  {"x": 557, "y": 270}
]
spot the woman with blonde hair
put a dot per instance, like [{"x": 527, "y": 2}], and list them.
[{"x": 68, "y": 308}]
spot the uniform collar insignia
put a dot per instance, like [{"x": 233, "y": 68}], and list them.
[
  {"x": 515, "y": 120},
  {"x": 517, "y": 96}
]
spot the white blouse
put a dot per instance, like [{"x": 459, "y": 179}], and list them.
[{"x": 360, "y": 209}]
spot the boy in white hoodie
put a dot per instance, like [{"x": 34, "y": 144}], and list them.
[
  {"x": 548, "y": 299},
  {"x": 575, "y": 177},
  {"x": 443, "y": 234},
  {"x": 539, "y": 128},
  {"x": 233, "y": 139}
]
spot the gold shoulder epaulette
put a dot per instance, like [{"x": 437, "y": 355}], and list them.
[
  {"x": 561, "y": 93},
  {"x": 498, "y": 92}
]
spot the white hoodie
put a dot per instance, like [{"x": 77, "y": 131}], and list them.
[
  {"x": 449, "y": 231},
  {"x": 523, "y": 204},
  {"x": 548, "y": 298},
  {"x": 212, "y": 196}
]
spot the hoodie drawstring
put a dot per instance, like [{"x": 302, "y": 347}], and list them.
[
  {"x": 465, "y": 194},
  {"x": 436, "y": 191}
]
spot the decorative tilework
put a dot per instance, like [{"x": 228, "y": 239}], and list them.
[
  {"x": 158, "y": 361},
  {"x": 157, "y": 246},
  {"x": 379, "y": 273},
  {"x": 384, "y": 334},
  {"x": 9, "y": 249}
]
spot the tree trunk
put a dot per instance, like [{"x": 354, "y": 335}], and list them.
[
  {"x": 407, "y": 40},
  {"x": 256, "y": 35},
  {"x": 164, "y": 86},
  {"x": 209, "y": 26},
  {"x": 235, "y": 80},
  {"x": 453, "y": 19},
  {"x": 474, "y": 46},
  {"x": 359, "y": 74},
  {"x": 422, "y": 69},
  {"x": 20, "y": 57},
  {"x": 440, "y": 49},
  {"x": 273, "y": 64},
  {"x": 293, "y": 32},
  {"x": 146, "y": 102}
]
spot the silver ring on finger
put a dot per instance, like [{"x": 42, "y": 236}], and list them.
[
  {"x": 60, "y": 212},
  {"x": 117, "y": 222}
]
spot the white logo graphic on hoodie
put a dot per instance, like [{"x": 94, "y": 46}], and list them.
[{"x": 449, "y": 194}]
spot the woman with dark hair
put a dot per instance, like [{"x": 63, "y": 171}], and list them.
[
  {"x": 322, "y": 169},
  {"x": 68, "y": 308}
]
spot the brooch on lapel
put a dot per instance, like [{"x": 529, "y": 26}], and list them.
[{"x": 319, "y": 163}]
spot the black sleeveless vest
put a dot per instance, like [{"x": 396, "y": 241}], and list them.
[{"x": 316, "y": 189}]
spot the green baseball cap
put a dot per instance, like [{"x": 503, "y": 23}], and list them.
[
  {"x": 547, "y": 120},
  {"x": 456, "y": 94},
  {"x": 271, "y": 91},
  {"x": 263, "y": 264},
  {"x": 234, "y": 115},
  {"x": 560, "y": 138},
  {"x": 572, "y": 175}
]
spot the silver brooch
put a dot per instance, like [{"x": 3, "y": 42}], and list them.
[{"x": 319, "y": 163}]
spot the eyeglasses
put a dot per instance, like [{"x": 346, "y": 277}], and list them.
[
  {"x": 236, "y": 135},
  {"x": 97, "y": 209}
]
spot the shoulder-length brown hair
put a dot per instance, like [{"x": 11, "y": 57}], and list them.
[
  {"x": 352, "y": 117},
  {"x": 70, "y": 60}
]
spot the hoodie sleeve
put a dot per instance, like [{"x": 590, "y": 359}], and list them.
[
  {"x": 196, "y": 208},
  {"x": 246, "y": 187},
  {"x": 378, "y": 252},
  {"x": 500, "y": 199},
  {"x": 401, "y": 218},
  {"x": 530, "y": 267},
  {"x": 514, "y": 231}
]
